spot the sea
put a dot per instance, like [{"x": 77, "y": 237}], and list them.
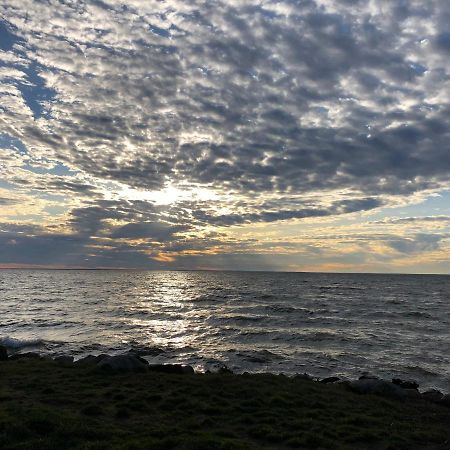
[{"x": 345, "y": 325}]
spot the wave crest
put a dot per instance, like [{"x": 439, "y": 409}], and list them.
[{"x": 16, "y": 344}]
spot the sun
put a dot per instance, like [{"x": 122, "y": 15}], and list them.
[{"x": 168, "y": 195}]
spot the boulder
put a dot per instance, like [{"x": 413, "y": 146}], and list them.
[
  {"x": 28, "y": 355},
  {"x": 123, "y": 362},
  {"x": 3, "y": 353},
  {"x": 303, "y": 376},
  {"x": 405, "y": 384},
  {"x": 411, "y": 393},
  {"x": 432, "y": 395},
  {"x": 171, "y": 368},
  {"x": 91, "y": 359},
  {"x": 64, "y": 359},
  {"x": 377, "y": 387},
  {"x": 330, "y": 380},
  {"x": 139, "y": 357},
  {"x": 225, "y": 370},
  {"x": 146, "y": 351}
]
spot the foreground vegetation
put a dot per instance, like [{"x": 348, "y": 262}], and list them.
[{"x": 49, "y": 405}]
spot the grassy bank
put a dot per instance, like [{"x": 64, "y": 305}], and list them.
[{"x": 48, "y": 405}]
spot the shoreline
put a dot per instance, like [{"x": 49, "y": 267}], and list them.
[
  {"x": 155, "y": 356},
  {"x": 158, "y": 355},
  {"x": 135, "y": 359},
  {"x": 122, "y": 402}
]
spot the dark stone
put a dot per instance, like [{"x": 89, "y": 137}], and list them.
[
  {"x": 28, "y": 355},
  {"x": 303, "y": 376},
  {"x": 137, "y": 355},
  {"x": 225, "y": 370},
  {"x": 91, "y": 359},
  {"x": 65, "y": 359},
  {"x": 411, "y": 393},
  {"x": 330, "y": 380},
  {"x": 432, "y": 395},
  {"x": 171, "y": 368},
  {"x": 377, "y": 387},
  {"x": 3, "y": 353},
  {"x": 146, "y": 351},
  {"x": 123, "y": 362},
  {"x": 405, "y": 384}
]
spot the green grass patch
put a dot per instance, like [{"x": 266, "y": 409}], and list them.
[{"x": 45, "y": 405}]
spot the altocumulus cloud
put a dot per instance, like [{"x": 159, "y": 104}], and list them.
[{"x": 281, "y": 109}]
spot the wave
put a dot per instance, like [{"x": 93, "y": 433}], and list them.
[
  {"x": 16, "y": 344},
  {"x": 423, "y": 314},
  {"x": 240, "y": 318},
  {"x": 281, "y": 308},
  {"x": 315, "y": 336},
  {"x": 259, "y": 357},
  {"x": 421, "y": 370}
]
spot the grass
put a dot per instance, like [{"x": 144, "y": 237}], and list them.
[{"x": 46, "y": 405}]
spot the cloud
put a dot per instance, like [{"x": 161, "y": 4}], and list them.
[
  {"x": 442, "y": 42},
  {"x": 284, "y": 102},
  {"x": 149, "y": 230},
  {"x": 419, "y": 243},
  {"x": 7, "y": 201},
  {"x": 279, "y": 110},
  {"x": 412, "y": 220}
]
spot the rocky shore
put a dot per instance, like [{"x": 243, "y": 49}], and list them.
[
  {"x": 134, "y": 361},
  {"x": 122, "y": 401}
]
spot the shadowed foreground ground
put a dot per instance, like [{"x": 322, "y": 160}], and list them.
[{"x": 48, "y": 405}]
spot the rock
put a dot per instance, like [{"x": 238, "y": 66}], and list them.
[
  {"x": 432, "y": 395},
  {"x": 136, "y": 355},
  {"x": 303, "y": 376},
  {"x": 405, "y": 384},
  {"x": 3, "y": 353},
  {"x": 123, "y": 362},
  {"x": 411, "y": 393},
  {"x": 377, "y": 387},
  {"x": 28, "y": 355},
  {"x": 171, "y": 368},
  {"x": 225, "y": 370},
  {"x": 91, "y": 359},
  {"x": 330, "y": 380},
  {"x": 64, "y": 359},
  {"x": 146, "y": 351}
]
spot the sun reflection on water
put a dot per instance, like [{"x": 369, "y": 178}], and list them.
[{"x": 161, "y": 308}]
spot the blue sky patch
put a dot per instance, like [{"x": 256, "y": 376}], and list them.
[
  {"x": 7, "y": 38},
  {"x": 36, "y": 92},
  {"x": 7, "y": 141}
]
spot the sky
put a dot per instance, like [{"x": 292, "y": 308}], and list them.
[{"x": 307, "y": 135}]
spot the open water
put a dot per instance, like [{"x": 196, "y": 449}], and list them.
[{"x": 322, "y": 324}]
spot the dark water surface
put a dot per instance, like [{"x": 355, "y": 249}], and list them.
[{"x": 323, "y": 324}]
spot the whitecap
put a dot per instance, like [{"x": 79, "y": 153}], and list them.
[{"x": 16, "y": 344}]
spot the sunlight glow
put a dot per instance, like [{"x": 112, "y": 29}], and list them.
[{"x": 167, "y": 196}]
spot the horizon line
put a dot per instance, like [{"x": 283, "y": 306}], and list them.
[{"x": 136, "y": 269}]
